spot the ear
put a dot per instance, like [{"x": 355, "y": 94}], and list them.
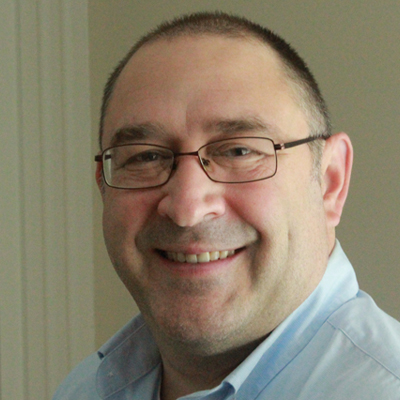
[
  {"x": 337, "y": 161},
  {"x": 99, "y": 178}
]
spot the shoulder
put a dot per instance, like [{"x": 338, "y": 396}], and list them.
[
  {"x": 81, "y": 382},
  {"x": 362, "y": 350},
  {"x": 354, "y": 354},
  {"x": 128, "y": 362},
  {"x": 369, "y": 330}
]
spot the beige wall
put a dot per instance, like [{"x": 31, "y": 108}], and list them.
[
  {"x": 353, "y": 48},
  {"x": 46, "y": 261}
]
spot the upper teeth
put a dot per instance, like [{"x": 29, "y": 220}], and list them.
[{"x": 199, "y": 258}]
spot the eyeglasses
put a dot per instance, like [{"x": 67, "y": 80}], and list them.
[{"x": 233, "y": 160}]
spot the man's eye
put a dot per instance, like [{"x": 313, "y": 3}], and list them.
[
  {"x": 238, "y": 151},
  {"x": 233, "y": 152},
  {"x": 145, "y": 157}
]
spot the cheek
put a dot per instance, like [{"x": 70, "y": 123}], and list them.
[
  {"x": 124, "y": 215},
  {"x": 259, "y": 204},
  {"x": 279, "y": 209}
]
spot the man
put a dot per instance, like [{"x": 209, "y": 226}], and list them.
[{"x": 222, "y": 187}]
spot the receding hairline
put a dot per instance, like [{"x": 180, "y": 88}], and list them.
[
  {"x": 245, "y": 36},
  {"x": 281, "y": 68}
]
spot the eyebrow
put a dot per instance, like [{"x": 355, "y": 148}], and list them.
[
  {"x": 142, "y": 132},
  {"x": 139, "y": 132},
  {"x": 239, "y": 125}
]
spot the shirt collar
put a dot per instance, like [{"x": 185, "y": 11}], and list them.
[{"x": 128, "y": 356}]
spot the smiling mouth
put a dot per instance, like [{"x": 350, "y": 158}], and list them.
[{"x": 198, "y": 258}]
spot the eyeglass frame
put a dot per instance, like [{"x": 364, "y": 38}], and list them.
[{"x": 281, "y": 146}]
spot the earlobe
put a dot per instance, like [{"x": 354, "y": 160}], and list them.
[{"x": 337, "y": 161}]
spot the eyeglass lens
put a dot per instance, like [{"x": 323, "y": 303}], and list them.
[{"x": 230, "y": 161}]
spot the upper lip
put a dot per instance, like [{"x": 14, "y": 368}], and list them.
[{"x": 162, "y": 235}]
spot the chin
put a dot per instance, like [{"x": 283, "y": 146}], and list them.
[{"x": 205, "y": 334}]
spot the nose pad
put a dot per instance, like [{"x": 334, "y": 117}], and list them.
[
  {"x": 190, "y": 196},
  {"x": 206, "y": 163}
]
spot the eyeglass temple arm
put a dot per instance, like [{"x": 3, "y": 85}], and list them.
[
  {"x": 288, "y": 145},
  {"x": 99, "y": 158}
]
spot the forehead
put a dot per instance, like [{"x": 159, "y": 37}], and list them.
[
  {"x": 202, "y": 57},
  {"x": 183, "y": 81}
]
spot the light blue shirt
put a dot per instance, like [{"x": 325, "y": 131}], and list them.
[{"x": 338, "y": 345}]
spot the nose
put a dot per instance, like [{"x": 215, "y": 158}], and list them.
[{"x": 190, "y": 197}]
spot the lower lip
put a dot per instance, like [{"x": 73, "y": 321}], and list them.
[{"x": 198, "y": 269}]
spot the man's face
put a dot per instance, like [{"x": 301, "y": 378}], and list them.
[{"x": 184, "y": 93}]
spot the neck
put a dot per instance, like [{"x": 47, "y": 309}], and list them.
[{"x": 185, "y": 373}]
